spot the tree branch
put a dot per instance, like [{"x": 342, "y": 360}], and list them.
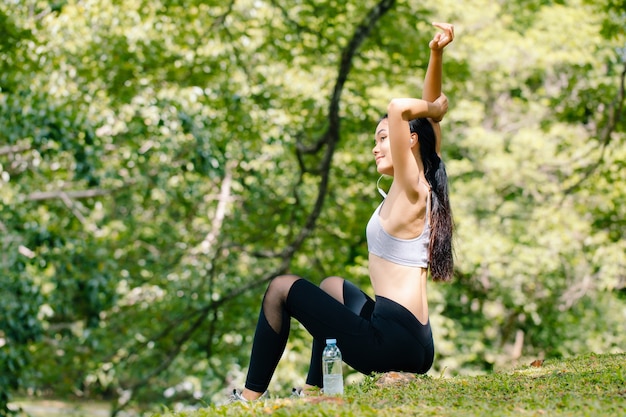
[
  {"x": 11, "y": 149},
  {"x": 332, "y": 135},
  {"x": 299, "y": 28},
  {"x": 50, "y": 195},
  {"x": 69, "y": 203},
  {"x": 220, "y": 212},
  {"x": 360, "y": 34},
  {"x": 614, "y": 116},
  {"x": 222, "y": 18}
]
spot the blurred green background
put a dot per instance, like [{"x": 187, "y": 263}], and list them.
[{"x": 161, "y": 160}]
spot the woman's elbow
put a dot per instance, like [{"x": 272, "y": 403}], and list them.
[{"x": 397, "y": 107}]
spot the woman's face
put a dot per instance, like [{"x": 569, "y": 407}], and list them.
[{"x": 382, "y": 151}]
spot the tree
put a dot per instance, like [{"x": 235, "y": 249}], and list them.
[{"x": 163, "y": 160}]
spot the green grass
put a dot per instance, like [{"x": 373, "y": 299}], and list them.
[{"x": 591, "y": 385}]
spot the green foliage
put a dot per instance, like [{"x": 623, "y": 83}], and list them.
[
  {"x": 161, "y": 161},
  {"x": 20, "y": 312}
]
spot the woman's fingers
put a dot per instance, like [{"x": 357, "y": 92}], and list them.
[{"x": 448, "y": 33}]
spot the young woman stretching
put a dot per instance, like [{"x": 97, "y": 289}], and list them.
[{"x": 409, "y": 232}]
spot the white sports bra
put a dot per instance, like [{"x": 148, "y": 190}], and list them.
[{"x": 408, "y": 252}]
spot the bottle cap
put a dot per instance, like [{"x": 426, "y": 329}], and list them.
[{"x": 331, "y": 341}]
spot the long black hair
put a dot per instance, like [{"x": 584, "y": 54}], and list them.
[{"x": 442, "y": 225}]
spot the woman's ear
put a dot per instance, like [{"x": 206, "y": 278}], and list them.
[{"x": 413, "y": 139}]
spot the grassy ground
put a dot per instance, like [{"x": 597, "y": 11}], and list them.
[{"x": 591, "y": 385}]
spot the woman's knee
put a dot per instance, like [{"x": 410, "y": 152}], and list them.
[
  {"x": 334, "y": 287},
  {"x": 282, "y": 284}
]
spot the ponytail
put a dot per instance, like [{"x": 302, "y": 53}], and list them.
[{"x": 442, "y": 226}]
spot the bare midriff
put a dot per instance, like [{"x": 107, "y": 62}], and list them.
[{"x": 406, "y": 285}]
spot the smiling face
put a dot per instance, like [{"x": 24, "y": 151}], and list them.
[{"x": 382, "y": 150}]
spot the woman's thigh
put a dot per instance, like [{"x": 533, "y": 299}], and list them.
[{"x": 324, "y": 316}]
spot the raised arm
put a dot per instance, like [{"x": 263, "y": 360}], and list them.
[
  {"x": 432, "y": 80},
  {"x": 399, "y": 112},
  {"x": 434, "y": 72}
]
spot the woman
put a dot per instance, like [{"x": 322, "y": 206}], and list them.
[{"x": 409, "y": 232}]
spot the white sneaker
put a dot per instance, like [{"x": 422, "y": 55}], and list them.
[
  {"x": 297, "y": 392},
  {"x": 237, "y": 397}
]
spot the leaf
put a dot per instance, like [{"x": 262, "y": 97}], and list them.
[{"x": 537, "y": 363}]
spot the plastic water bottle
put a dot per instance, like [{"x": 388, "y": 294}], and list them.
[{"x": 332, "y": 368}]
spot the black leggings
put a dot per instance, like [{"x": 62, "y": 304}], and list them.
[{"x": 373, "y": 336}]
